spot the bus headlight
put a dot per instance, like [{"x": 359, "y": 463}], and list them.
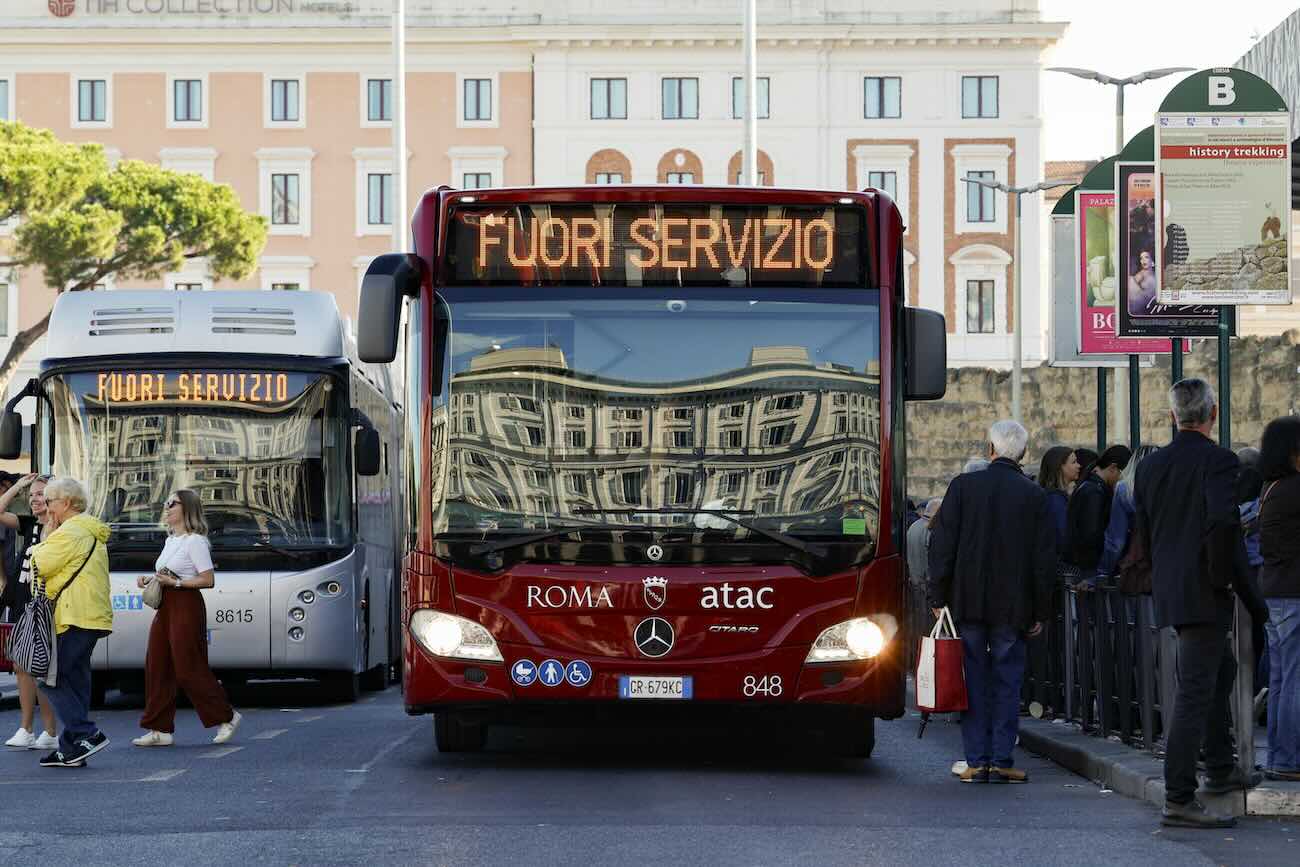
[
  {"x": 856, "y": 639},
  {"x": 454, "y": 637}
]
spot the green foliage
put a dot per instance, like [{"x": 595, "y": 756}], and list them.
[{"x": 82, "y": 222}]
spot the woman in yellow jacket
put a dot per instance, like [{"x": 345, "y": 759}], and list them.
[{"x": 72, "y": 563}]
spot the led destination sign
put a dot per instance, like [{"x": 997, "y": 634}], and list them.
[
  {"x": 131, "y": 386},
  {"x": 640, "y": 244}
]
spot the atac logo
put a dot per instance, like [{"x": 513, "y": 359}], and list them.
[
  {"x": 655, "y": 591},
  {"x": 62, "y": 8}
]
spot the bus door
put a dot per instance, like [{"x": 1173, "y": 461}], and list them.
[{"x": 239, "y": 620}]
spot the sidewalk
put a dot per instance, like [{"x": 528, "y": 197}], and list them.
[{"x": 1139, "y": 774}]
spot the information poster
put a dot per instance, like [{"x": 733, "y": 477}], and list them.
[
  {"x": 1098, "y": 272},
  {"x": 1139, "y": 311},
  {"x": 1225, "y": 208}
]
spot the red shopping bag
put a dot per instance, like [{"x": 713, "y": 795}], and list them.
[
  {"x": 5, "y": 663},
  {"x": 940, "y": 675}
]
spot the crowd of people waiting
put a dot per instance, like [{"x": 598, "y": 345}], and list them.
[{"x": 1192, "y": 524}]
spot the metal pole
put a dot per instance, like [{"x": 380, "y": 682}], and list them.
[
  {"x": 1225, "y": 381},
  {"x": 1017, "y": 344},
  {"x": 399, "y": 126},
  {"x": 749, "y": 158},
  {"x": 1101, "y": 409},
  {"x": 1175, "y": 367},
  {"x": 1134, "y": 403}
]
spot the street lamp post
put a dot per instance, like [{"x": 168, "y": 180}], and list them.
[
  {"x": 1134, "y": 372},
  {"x": 1018, "y": 340},
  {"x": 399, "y": 126},
  {"x": 749, "y": 154}
]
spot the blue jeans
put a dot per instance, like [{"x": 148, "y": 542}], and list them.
[
  {"x": 995, "y": 667},
  {"x": 70, "y": 696},
  {"x": 1283, "y": 630}
]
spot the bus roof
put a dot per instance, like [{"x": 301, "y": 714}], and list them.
[
  {"x": 684, "y": 193},
  {"x": 97, "y": 324}
]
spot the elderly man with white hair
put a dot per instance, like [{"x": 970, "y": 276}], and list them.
[{"x": 992, "y": 563}]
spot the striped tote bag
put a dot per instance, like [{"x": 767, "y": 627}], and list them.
[{"x": 31, "y": 641}]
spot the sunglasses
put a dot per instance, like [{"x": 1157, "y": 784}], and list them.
[{"x": 171, "y": 503}]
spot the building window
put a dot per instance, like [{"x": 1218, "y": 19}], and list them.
[
  {"x": 784, "y": 403},
  {"x": 981, "y": 206},
  {"x": 778, "y": 435},
  {"x": 576, "y": 483},
  {"x": 681, "y": 439},
  {"x": 379, "y": 100},
  {"x": 604, "y": 178},
  {"x": 577, "y": 412},
  {"x": 632, "y": 488},
  {"x": 625, "y": 439},
  {"x": 680, "y": 177},
  {"x": 184, "y": 287},
  {"x": 736, "y": 410},
  {"x": 887, "y": 181},
  {"x": 762, "y": 177},
  {"x": 286, "y": 287},
  {"x": 683, "y": 490},
  {"x": 729, "y": 439},
  {"x": 4, "y": 100},
  {"x": 681, "y": 99},
  {"x": 979, "y": 96},
  {"x": 575, "y": 439},
  {"x": 284, "y": 200},
  {"x": 882, "y": 98},
  {"x": 187, "y": 100},
  {"x": 771, "y": 478},
  {"x": 731, "y": 483},
  {"x": 92, "y": 100},
  {"x": 609, "y": 99},
  {"x": 979, "y": 307},
  {"x": 476, "y": 180},
  {"x": 478, "y": 99},
  {"x": 534, "y": 435},
  {"x": 681, "y": 414},
  {"x": 764, "y": 88},
  {"x": 379, "y": 199},
  {"x": 284, "y": 100}
]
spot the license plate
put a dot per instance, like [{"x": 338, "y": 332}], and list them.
[{"x": 642, "y": 686}]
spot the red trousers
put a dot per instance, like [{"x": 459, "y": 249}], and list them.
[{"x": 178, "y": 657}]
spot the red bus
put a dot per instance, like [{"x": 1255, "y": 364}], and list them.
[{"x": 654, "y": 443}]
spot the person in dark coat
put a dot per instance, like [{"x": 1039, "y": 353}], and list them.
[
  {"x": 992, "y": 564},
  {"x": 1057, "y": 473},
  {"x": 1089, "y": 512},
  {"x": 1186, "y": 510}
]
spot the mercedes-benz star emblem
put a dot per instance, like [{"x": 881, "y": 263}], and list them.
[
  {"x": 655, "y": 553},
  {"x": 654, "y": 637}
]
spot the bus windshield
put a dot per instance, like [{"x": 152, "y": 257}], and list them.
[
  {"x": 574, "y": 408},
  {"x": 265, "y": 450}
]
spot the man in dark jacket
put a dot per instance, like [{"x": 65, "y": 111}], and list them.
[
  {"x": 1186, "y": 509},
  {"x": 1088, "y": 513},
  {"x": 992, "y": 563}
]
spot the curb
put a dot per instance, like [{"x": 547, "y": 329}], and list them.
[{"x": 1140, "y": 775}]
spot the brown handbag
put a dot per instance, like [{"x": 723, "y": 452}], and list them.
[{"x": 1135, "y": 567}]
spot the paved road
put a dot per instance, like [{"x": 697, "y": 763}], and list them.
[{"x": 306, "y": 784}]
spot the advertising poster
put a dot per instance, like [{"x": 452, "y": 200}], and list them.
[
  {"x": 1063, "y": 331},
  {"x": 1225, "y": 197},
  {"x": 1098, "y": 273},
  {"x": 1140, "y": 313}
]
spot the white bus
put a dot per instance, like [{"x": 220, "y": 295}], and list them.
[{"x": 258, "y": 402}]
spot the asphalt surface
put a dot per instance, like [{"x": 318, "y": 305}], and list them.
[{"x": 344, "y": 784}]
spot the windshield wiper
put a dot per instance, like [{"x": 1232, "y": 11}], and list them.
[
  {"x": 543, "y": 535},
  {"x": 774, "y": 535},
  {"x": 262, "y": 540}
]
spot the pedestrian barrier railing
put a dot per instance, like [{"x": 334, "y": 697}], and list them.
[{"x": 1102, "y": 663}]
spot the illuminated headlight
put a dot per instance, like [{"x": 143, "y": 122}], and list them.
[
  {"x": 856, "y": 639},
  {"x": 454, "y": 637}
]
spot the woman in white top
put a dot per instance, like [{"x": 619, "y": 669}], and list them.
[{"x": 178, "y": 645}]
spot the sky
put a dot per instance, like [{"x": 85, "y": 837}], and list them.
[{"x": 1124, "y": 37}]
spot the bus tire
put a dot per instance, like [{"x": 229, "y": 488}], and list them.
[
  {"x": 375, "y": 679},
  {"x": 453, "y": 733},
  {"x": 342, "y": 686},
  {"x": 854, "y": 736}
]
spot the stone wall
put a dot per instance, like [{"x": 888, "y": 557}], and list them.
[
  {"x": 1060, "y": 406},
  {"x": 1257, "y": 268}
]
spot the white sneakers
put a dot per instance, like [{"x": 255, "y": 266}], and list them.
[
  {"x": 227, "y": 730},
  {"x": 154, "y": 739},
  {"x": 25, "y": 740}
]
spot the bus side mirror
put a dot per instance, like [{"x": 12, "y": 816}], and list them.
[
  {"x": 365, "y": 452},
  {"x": 925, "y": 354},
  {"x": 11, "y": 435},
  {"x": 389, "y": 279}
]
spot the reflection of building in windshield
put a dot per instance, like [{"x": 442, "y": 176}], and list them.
[{"x": 780, "y": 437}]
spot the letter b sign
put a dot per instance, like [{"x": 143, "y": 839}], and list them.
[{"x": 1221, "y": 90}]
